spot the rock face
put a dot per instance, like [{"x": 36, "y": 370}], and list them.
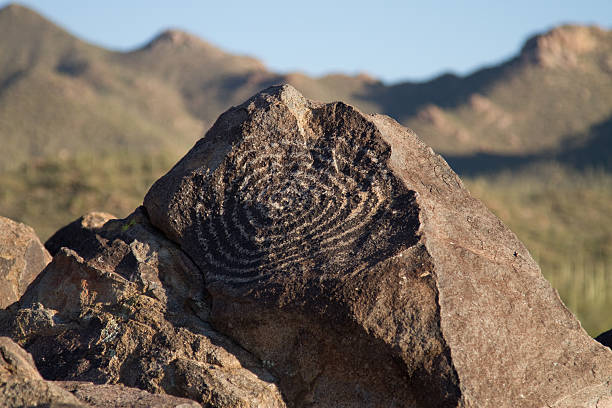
[
  {"x": 22, "y": 386},
  {"x": 22, "y": 257},
  {"x": 107, "y": 395},
  {"x": 341, "y": 251},
  {"x": 128, "y": 306}
]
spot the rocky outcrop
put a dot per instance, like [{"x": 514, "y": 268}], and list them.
[
  {"x": 127, "y": 306},
  {"x": 303, "y": 255},
  {"x": 562, "y": 46},
  {"x": 347, "y": 256},
  {"x": 22, "y": 257},
  {"x": 22, "y": 386},
  {"x": 113, "y": 395},
  {"x": 78, "y": 232}
]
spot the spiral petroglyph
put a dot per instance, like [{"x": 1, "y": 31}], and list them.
[{"x": 322, "y": 198}]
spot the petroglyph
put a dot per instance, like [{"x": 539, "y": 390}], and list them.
[{"x": 320, "y": 197}]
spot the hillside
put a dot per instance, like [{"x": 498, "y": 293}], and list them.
[
  {"x": 553, "y": 92},
  {"x": 86, "y": 98},
  {"x": 83, "y": 128},
  {"x": 61, "y": 96}
]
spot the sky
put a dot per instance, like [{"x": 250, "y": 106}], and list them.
[{"x": 389, "y": 40}]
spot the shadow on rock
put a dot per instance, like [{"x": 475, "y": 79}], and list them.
[{"x": 134, "y": 311}]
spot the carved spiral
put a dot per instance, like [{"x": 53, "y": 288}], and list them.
[{"x": 293, "y": 205}]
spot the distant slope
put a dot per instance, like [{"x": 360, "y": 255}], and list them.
[
  {"x": 60, "y": 94},
  {"x": 558, "y": 87}
]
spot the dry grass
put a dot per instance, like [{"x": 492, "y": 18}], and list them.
[{"x": 586, "y": 289}]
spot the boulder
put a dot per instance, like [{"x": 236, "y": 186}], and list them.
[
  {"x": 22, "y": 386},
  {"x": 114, "y": 395},
  {"x": 349, "y": 258},
  {"x": 22, "y": 257},
  {"x": 129, "y": 307},
  {"x": 77, "y": 232}
]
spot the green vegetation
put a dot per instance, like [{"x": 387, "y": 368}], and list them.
[
  {"x": 48, "y": 194},
  {"x": 563, "y": 217}
]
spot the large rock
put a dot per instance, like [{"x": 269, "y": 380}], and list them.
[
  {"x": 22, "y": 386},
  {"x": 128, "y": 306},
  {"x": 118, "y": 396},
  {"x": 22, "y": 257},
  {"x": 347, "y": 256}
]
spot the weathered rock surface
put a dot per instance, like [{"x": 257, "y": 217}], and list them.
[
  {"x": 128, "y": 306},
  {"x": 347, "y": 255},
  {"x": 22, "y": 386},
  {"x": 81, "y": 230},
  {"x": 22, "y": 257},
  {"x": 118, "y": 396}
]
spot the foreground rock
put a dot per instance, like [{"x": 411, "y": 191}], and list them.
[
  {"x": 22, "y": 386},
  {"x": 344, "y": 253},
  {"x": 22, "y": 257},
  {"x": 128, "y": 306},
  {"x": 118, "y": 396}
]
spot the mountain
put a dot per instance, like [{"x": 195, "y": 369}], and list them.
[{"x": 60, "y": 94}]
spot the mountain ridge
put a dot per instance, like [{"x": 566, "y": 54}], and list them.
[{"x": 457, "y": 115}]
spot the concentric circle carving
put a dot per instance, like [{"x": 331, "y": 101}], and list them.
[{"x": 321, "y": 200}]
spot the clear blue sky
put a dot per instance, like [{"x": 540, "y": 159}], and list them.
[{"x": 391, "y": 40}]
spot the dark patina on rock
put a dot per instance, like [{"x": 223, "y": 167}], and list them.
[
  {"x": 347, "y": 255},
  {"x": 78, "y": 232},
  {"x": 22, "y": 386}
]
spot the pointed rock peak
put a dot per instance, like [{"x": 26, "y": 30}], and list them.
[
  {"x": 14, "y": 10},
  {"x": 172, "y": 43},
  {"x": 25, "y": 28},
  {"x": 177, "y": 39},
  {"x": 285, "y": 93}
]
